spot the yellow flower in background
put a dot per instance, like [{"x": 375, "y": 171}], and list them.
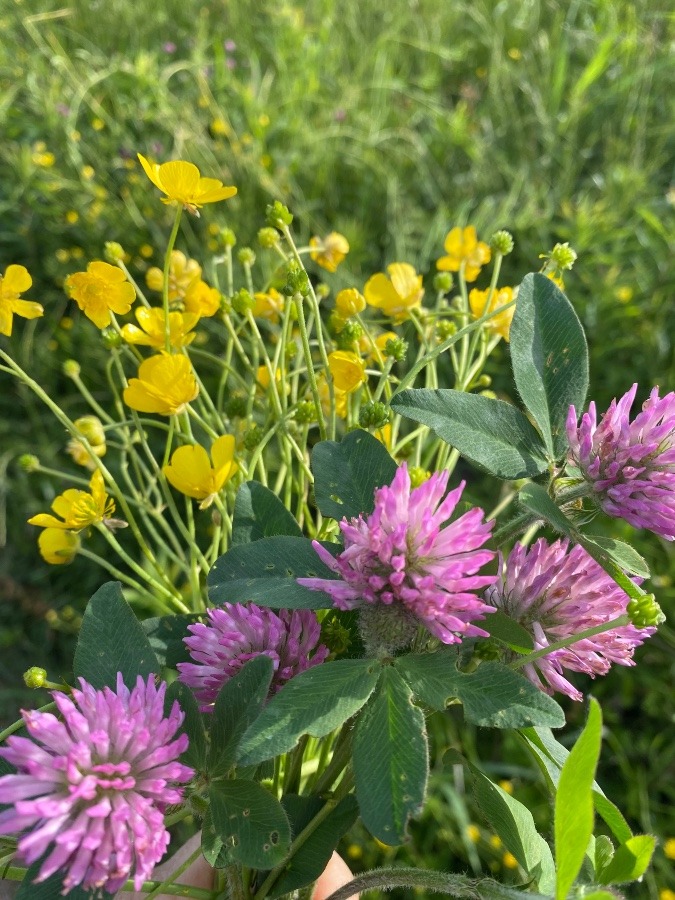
[
  {"x": 91, "y": 428},
  {"x": 201, "y": 299},
  {"x": 473, "y": 833},
  {"x": 152, "y": 332},
  {"x": 350, "y": 302},
  {"x": 183, "y": 184},
  {"x": 462, "y": 246},
  {"x": 384, "y": 435},
  {"x": 78, "y": 509},
  {"x": 509, "y": 861},
  {"x": 183, "y": 272},
  {"x": 58, "y": 547},
  {"x": 100, "y": 290},
  {"x": 14, "y": 282},
  {"x": 268, "y": 305},
  {"x": 329, "y": 252},
  {"x": 190, "y": 470},
  {"x": 669, "y": 848},
  {"x": 263, "y": 378},
  {"x": 340, "y": 397},
  {"x": 396, "y": 295},
  {"x": 501, "y": 323},
  {"x": 347, "y": 369},
  {"x": 165, "y": 384}
]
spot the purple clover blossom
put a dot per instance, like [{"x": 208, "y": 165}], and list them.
[
  {"x": 93, "y": 788},
  {"x": 555, "y": 593},
  {"x": 406, "y": 553},
  {"x": 630, "y": 465},
  {"x": 236, "y": 633}
]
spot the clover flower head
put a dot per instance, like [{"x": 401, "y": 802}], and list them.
[
  {"x": 464, "y": 249},
  {"x": 236, "y": 633},
  {"x": 629, "y": 465},
  {"x": 101, "y": 290},
  {"x": 14, "y": 282},
  {"x": 184, "y": 185},
  {"x": 92, "y": 786},
  {"x": 397, "y": 294},
  {"x": 406, "y": 553},
  {"x": 556, "y": 592}
]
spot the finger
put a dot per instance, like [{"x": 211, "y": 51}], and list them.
[{"x": 336, "y": 874}]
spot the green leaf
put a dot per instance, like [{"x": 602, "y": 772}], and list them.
[
  {"x": 237, "y": 706},
  {"x": 347, "y": 474},
  {"x": 600, "y": 895},
  {"x": 266, "y": 572},
  {"x": 314, "y": 702},
  {"x": 166, "y": 634},
  {"x": 491, "y": 433},
  {"x": 535, "y": 498},
  {"x": 630, "y": 860},
  {"x": 574, "y": 802},
  {"x": 193, "y": 724},
  {"x": 493, "y": 695},
  {"x": 250, "y": 822},
  {"x": 49, "y": 889},
  {"x": 309, "y": 862},
  {"x": 510, "y": 632},
  {"x": 549, "y": 358},
  {"x": 213, "y": 848},
  {"x": 625, "y": 556},
  {"x": 112, "y": 640},
  {"x": 604, "y": 851},
  {"x": 514, "y": 824},
  {"x": 551, "y": 756},
  {"x": 391, "y": 759},
  {"x": 259, "y": 513}
]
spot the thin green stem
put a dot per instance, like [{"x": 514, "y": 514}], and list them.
[
  {"x": 165, "y": 277},
  {"x": 569, "y": 641}
]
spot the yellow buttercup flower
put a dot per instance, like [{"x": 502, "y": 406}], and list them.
[
  {"x": 669, "y": 848},
  {"x": 78, "y": 509},
  {"x": 14, "y": 282},
  {"x": 347, "y": 369},
  {"x": 501, "y": 323},
  {"x": 100, "y": 290},
  {"x": 396, "y": 295},
  {"x": 329, "y": 252},
  {"x": 201, "y": 299},
  {"x": 183, "y": 184},
  {"x": 268, "y": 305},
  {"x": 473, "y": 833},
  {"x": 91, "y": 428},
  {"x": 462, "y": 246},
  {"x": 350, "y": 302},
  {"x": 165, "y": 384},
  {"x": 190, "y": 470},
  {"x": 152, "y": 332},
  {"x": 339, "y": 397},
  {"x": 183, "y": 272},
  {"x": 509, "y": 861},
  {"x": 57, "y": 546}
]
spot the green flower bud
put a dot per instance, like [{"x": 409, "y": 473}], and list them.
[
  {"x": 335, "y": 636},
  {"x": 34, "y": 677},
  {"x": 113, "y": 252},
  {"x": 29, "y": 463},
  {"x": 445, "y": 329},
  {"x": 396, "y": 348},
  {"x": 374, "y": 414},
  {"x": 246, "y": 256},
  {"x": 242, "y": 302},
  {"x": 111, "y": 339},
  {"x": 484, "y": 381},
  {"x": 443, "y": 282},
  {"x": 297, "y": 280},
  {"x": 322, "y": 291},
  {"x": 290, "y": 350},
  {"x": 277, "y": 215},
  {"x": 71, "y": 368},
  {"x": 228, "y": 237},
  {"x": 253, "y": 437},
  {"x": 268, "y": 238},
  {"x": 645, "y": 612},
  {"x": 236, "y": 407},
  {"x": 418, "y": 475},
  {"x": 91, "y": 428},
  {"x": 563, "y": 256},
  {"x": 349, "y": 335},
  {"x": 305, "y": 412},
  {"x": 501, "y": 242}
]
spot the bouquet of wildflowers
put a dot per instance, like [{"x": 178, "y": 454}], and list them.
[{"x": 300, "y": 581}]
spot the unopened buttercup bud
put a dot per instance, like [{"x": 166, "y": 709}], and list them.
[
  {"x": 297, "y": 280},
  {"x": 501, "y": 242},
  {"x": 113, "y": 252},
  {"x": 228, "y": 237},
  {"x": 443, "y": 282},
  {"x": 563, "y": 256},
  {"x": 349, "y": 302},
  {"x": 111, "y": 338},
  {"x": 29, "y": 463},
  {"x": 253, "y": 437},
  {"x": 322, "y": 290},
  {"x": 445, "y": 329},
  {"x": 277, "y": 215},
  {"x": 305, "y": 412},
  {"x": 242, "y": 302},
  {"x": 418, "y": 475},
  {"x": 268, "y": 238},
  {"x": 71, "y": 368},
  {"x": 91, "y": 428},
  {"x": 396, "y": 348},
  {"x": 349, "y": 335}
]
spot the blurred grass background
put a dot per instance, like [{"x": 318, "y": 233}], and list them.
[{"x": 391, "y": 125}]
